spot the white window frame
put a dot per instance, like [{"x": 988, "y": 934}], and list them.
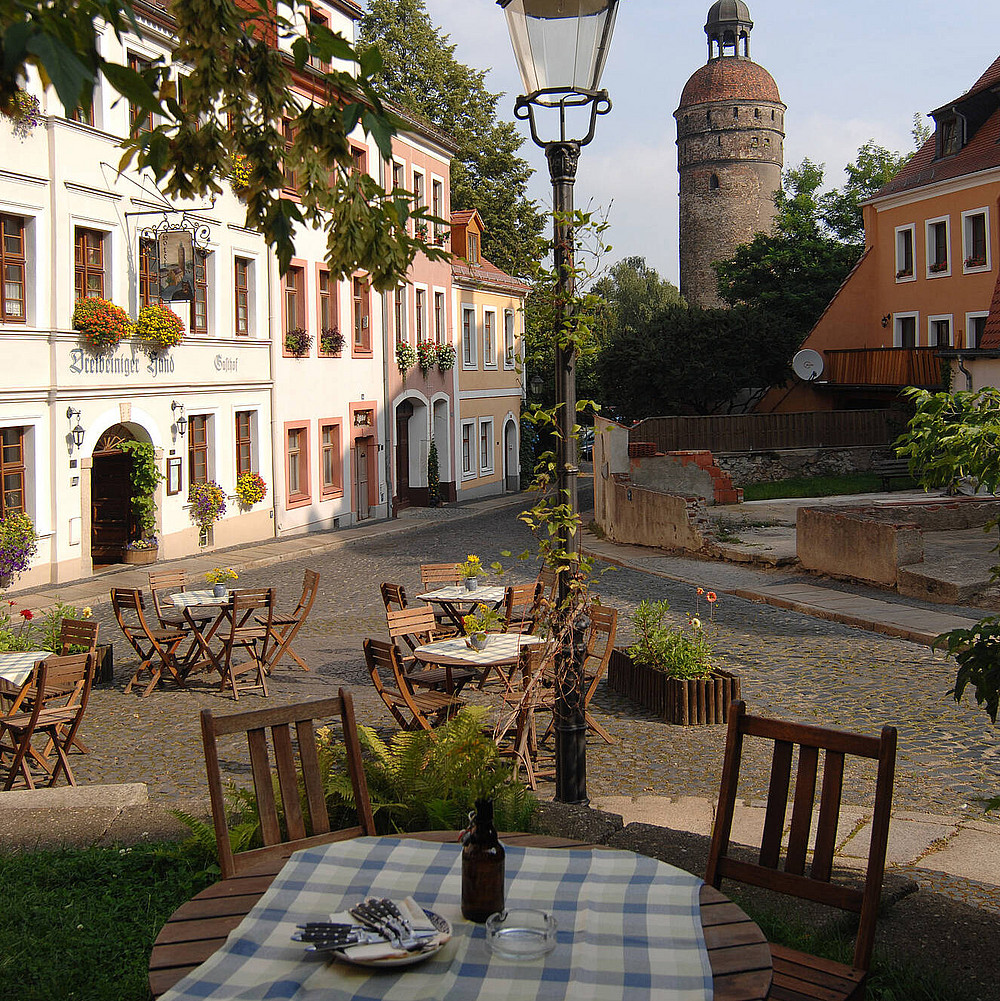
[
  {"x": 472, "y": 361},
  {"x": 486, "y": 424},
  {"x": 252, "y": 262},
  {"x": 420, "y": 329},
  {"x": 437, "y": 184},
  {"x": 402, "y": 335},
  {"x": 469, "y": 461},
  {"x": 897, "y": 337},
  {"x": 967, "y": 240},
  {"x": 969, "y": 317},
  {"x": 490, "y": 340},
  {"x": 509, "y": 349},
  {"x": 392, "y": 175},
  {"x": 440, "y": 334},
  {"x": 912, "y": 276},
  {"x": 929, "y": 246},
  {"x": 931, "y": 320}
]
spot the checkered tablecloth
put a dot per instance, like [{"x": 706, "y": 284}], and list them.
[
  {"x": 455, "y": 595},
  {"x": 16, "y": 667},
  {"x": 204, "y": 596},
  {"x": 500, "y": 648},
  {"x": 629, "y": 928}
]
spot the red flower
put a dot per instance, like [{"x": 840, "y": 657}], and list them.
[
  {"x": 711, "y": 596},
  {"x": 701, "y": 590},
  {"x": 27, "y": 613}
]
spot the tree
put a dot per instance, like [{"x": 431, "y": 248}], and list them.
[
  {"x": 635, "y": 293},
  {"x": 237, "y": 94},
  {"x": 688, "y": 360},
  {"x": 424, "y": 77}
]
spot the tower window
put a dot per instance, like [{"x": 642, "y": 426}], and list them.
[
  {"x": 772, "y": 116},
  {"x": 736, "y": 112},
  {"x": 756, "y": 112},
  {"x": 713, "y": 182},
  {"x": 708, "y": 117}
]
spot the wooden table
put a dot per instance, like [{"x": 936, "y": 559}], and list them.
[
  {"x": 456, "y": 600},
  {"x": 501, "y": 650},
  {"x": 737, "y": 950}
]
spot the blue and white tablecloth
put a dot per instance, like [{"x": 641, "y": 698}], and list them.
[
  {"x": 203, "y": 596},
  {"x": 16, "y": 667},
  {"x": 629, "y": 928}
]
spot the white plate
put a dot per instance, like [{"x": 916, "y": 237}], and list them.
[{"x": 443, "y": 925}]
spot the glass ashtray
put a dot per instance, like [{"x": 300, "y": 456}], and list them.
[{"x": 521, "y": 933}]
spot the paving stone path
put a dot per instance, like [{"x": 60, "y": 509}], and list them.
[{"x": 793, "y": 666}]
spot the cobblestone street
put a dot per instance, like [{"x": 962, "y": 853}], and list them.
[{"x": 793, "y": 666}]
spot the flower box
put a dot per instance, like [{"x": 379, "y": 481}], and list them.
[
  {"x": 675, "y": 700},
  {"x": 104, "y": 670},
  {"x": 141, "y": 557}
]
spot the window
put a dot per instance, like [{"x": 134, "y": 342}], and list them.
[
  {"x": 149, "y": 287},
  {"x": 149, "y": 269},
  {"x": 138, "y": 120},
  {"x": 316, "y": 18},
  {"x": 905, "y": 330},
  {"x": 89, "y": 256},
  {"x": 362, "y": 331},
  {"x": 241, "y": 296},
  {"x": 199, "y": 305},
  {"x": 420, "y": 297},
  {"x": 904, "y": 254},
  {"x": 468, "y": 433},
  {"x": 12, "y": 470},
  {"x": 486, "y": 445},
  {"x": 975, "y": 325},
  {"x": 397, "y": 176},
  {"x": 198, "y": 449},
  {"x": 331, "y": 460},
  {"x": 713, "y": 182},
  {"x": 468, "y": 338},
  {"x": 508, "y": 338},
  {"x": 244, "y": 442},
  {"x": 937, "y": 248},
  {"x": 85, "y": 116},
  {"x": 472, "y": 247},
  {"x": 939, "y": 331},
  {"x": 13, "y": 266},
  {"x": 295, "y": 314},
  {"x": 359, "y": 160},
  {"x": 287, "y": 173},
  {"x": 327, "y": 318},
  {"x": 975, "y": 246},
  {"x": 418, "y": 189},
  {"x": 439, "y": 318},
  {"x": 437, "y": 206},
  {"x": 489, "y": 339},
  {"x": 949, "y": 136},
  {"x": 297, "y": 460},
  {"x": 399, "y": 312}
]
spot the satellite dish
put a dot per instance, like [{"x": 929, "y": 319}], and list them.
[{"x": 808, "y": 364}]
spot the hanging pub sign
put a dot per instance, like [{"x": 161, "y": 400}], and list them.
[{"x": 175, "y": 249}]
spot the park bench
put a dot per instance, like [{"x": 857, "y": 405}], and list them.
[{"x": 889, "y": 468}]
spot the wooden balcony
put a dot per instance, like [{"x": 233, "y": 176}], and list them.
[{"x": 884, "y": 367}]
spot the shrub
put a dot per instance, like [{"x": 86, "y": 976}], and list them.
[
  {"x": 208, "y": 504},
  {"x": 433, "y": 476},
  {"x": 679, "y": 652},
  {"x": 250, "y": 488},
  {"x": 159, "y": 327},
  {"x": 102, "y": 323},
  {"x": 240, "y": 169},
  {"x": 25, "y": 114},
  {"x": 145, "y": 476},
  {"x": 298, "y": 342},
  {"x": 17, "y": 545},
  {"x": 48, "y": 630}
]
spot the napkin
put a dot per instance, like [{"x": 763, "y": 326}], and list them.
[{"x": 413, "y": 913}]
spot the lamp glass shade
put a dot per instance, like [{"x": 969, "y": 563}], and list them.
[
  {"x": 560, "y": 44},
  {"x": 78, "y": 435},
  {"x": 182, "y": 424}
]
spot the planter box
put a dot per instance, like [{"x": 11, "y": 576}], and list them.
[
  {"x": 141, "y": 557},
  {"x": 675, "y": 700},
  {"x": 104, "y": 673}
]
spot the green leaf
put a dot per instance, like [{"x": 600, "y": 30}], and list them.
[
  {"x": 132, "y": 87},
  {"x": 67, "y": 73}
]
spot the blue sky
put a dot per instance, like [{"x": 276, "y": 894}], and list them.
[{"x": 848, "y": 71}]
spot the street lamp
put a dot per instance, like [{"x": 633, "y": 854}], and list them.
[{"x": 561, "y": 47}]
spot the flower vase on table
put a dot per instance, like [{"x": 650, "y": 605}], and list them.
[
  {"x": 218, "y": 578},
  {"x": 478, "y": 641},
  {"x": 470, "y": 571},
  {"x": 471, "y": 583},
  {"x": 219, "y": 590}
]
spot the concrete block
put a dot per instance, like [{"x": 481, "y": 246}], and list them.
[
  {"x": 970, "y": 853},
  {"x": 908, "y": 841},
  {"x": 680, "y": 813}
]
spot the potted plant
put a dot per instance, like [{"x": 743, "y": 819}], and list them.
[
  {"x": 48, "y": 636},
  {"x": 433, "y": 476},
  {"x": 331, "y": 341},
  {"x": 208, "y": 505},
  {"x": 218, "y": 577},
  {"x": 426, "y": 357},
  {"x": 145, "y": 475},
  {"x": 250, "y": 489},
  {"x": 471, "y": 570},
  {"x": 479, "y": 623},
  {"x": 669, "y": 668},
  {"x": 298, "y": 342},
  {"x": 102, "y": 323},
  {"x": 18, "y": 543},
  {"x": 240, "y": 169},
  {"x": 25, "y": 114},
  {"x": 406, "y": 357},
  {"x": 445, "y": 357},
  {"x": 158, "y": 328}
]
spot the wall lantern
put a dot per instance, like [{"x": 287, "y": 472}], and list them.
[
  {"x": 180, "y": 421},
  {"x": 537, "y": 384},
  {"x": 77, "y": 431}
]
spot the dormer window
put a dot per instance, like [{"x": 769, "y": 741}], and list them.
[
  {"x": 472, "y": 246},
  {"x": 949, "y": 135}
]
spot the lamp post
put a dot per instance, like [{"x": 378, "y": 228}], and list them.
[{"x": 561, "y": 47}]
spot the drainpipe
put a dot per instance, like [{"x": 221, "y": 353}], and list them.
[
  {"x": 966, "y": 373},
  {"x": 387, "y": 423}
]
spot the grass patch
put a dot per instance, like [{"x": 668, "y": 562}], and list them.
[
  {"x": 80, "y": 922},
  {"x": 824, "y": 486}
]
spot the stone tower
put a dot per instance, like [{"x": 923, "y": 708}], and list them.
[{"x": 730, "y": 129}]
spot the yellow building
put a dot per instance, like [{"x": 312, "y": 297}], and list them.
[{"x": 489, "y": 310}]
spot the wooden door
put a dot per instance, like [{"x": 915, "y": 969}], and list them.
[
  {"x": 511, "y": 478},
  {"x": 111, "y": 507},
  {"x": 361, "y": 465},
  {"x": 403, "y": 414}
]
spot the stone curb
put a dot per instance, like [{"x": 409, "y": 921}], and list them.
[{"x": 110, "y": 797}]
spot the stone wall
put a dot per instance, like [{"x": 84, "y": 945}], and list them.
[
  {"x": 786, "y": 464},
  {"x": 639, "y": 516}
]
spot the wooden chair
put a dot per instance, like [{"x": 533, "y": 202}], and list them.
[
  {"x": 415, "y": 626},
  {"x": 438, "y": 574},
  {"x": 515, "y": 733},
  {"x": 61, "y": 692},
  {"x": 162, "y": 583},
  {"x": 796, "y": 974},
  {"x": 412, "y": 710},
  {"x": 292, "y": 728},
  {"x": 284, "y": 627},
  {"x": 549, "y": 580},
  {"x": 393, "y": 596},
  {"x": 600, "y": 644},
  {"x": 77, "y": 636},
  {"x": 521, "y": 606},
  {"x": 157, "y": 648},
  {"x": 251, "y": 633}
]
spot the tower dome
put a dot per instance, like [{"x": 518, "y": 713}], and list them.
[{"x": 730, "y": 133}]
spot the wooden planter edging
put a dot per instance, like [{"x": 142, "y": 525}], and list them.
[
  {"x": 675, "y": 700},
  {"x": 140, "y": 557}
]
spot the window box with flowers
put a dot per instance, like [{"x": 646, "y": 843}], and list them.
[
  {"x": 298, "y": 342},
  {"x": 24, "y": 114},
  {"x": 406, "y": 357},
  {"x": 17, "y": 545},
  {"x": 445, "y": 357},
  {"x": 208, "y": 505},
  {"x": 240, "y": 169},
  {"x": 937, "y": 267},
  {"x": 158, "y": 327},
  {"x": 331, "y": 342},
  {"x": 101, "y": 323},
  {"x": 250, "y": 489},
  {"x": 426, "y": 357},
  {"x": 904, "y": 273},
  {"x": 975, "y": 262}
]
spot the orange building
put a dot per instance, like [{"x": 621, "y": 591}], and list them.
[{"x": 925, "y": 295}]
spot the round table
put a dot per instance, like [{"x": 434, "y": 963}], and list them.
[{"x": 737, "y": 950}]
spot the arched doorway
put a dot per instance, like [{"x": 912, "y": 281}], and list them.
[
  {"x": 403, "y": 414},
  {"x": 512, "y": 479},
  {"x": 112, "y": 526}
]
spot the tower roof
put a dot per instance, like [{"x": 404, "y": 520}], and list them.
[
  {"x": 728, "y": 12},
  {"x": 730, "y": 80}
]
